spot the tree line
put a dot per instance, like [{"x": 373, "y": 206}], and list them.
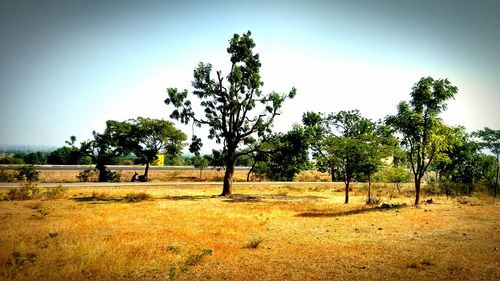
[{"x": 347, "y": 145}]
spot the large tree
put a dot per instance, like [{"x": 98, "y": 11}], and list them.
[
  {"x": 234, "y": 106},
  {"x": 423, "y": 134},
  {"x": 490, "y": 139}
]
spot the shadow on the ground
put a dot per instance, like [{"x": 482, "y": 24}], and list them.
[
  {"x": 94, "y": 200},
  {"x": 320, "y": 214},
  {"x": 189, "y": 197}
]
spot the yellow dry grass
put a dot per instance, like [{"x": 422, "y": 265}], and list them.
[{"x": 265, "y": 232}]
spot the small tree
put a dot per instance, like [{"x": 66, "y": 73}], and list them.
[
  {"x": 282, "y": 156},
  {"x": 200, "y": 162},
  {"x": 236, "y": 111},
  {"x": 490, "y": 139},
  {"x": 350, "y": 146},
  {"x": 27, "y": 176},
  {"x": 106, "y": 146},
  {"x": 423, "y": 135},
  {"x": 461, "y": 159},
  {"x": 147, "y": 137}
]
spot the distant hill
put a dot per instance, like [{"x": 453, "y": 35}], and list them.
[{"x": 26, "y": 148}]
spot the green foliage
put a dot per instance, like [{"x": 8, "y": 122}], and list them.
[
  {"x": 54, "y": 192},
  {"x": 148, "y": 137},
  {"x": 27, "y": 191},
  {"x": 200, "y": 162},
  {"x": 6, "y": 176},
  {"x": 88, "y": 175},
  {"x": 67, "y": 155},
  {"x": 27, "y": 173},
  {"x": 195, "y": 259},
  {"x": 35, "y": 158},
  {"x": 281, "y": 156},
  {"x": 423, "y": 135},
  {"x": 11, "y": 160},
  {"x": 236, "y": 111},
  {"x": 348, "y": 145},
  {"x": 490, "y": 139}
]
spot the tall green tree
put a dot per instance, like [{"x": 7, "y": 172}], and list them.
[
  {"x": 146, "y": 138},
  {"x": 235, "y": 109},
  {"x": 423, "y": 135},
  {"x": 490, "y": 139}
]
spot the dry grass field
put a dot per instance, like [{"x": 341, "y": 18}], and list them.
[
  {"x": 265, "y": 232},
  {"x": 154, "y": 176}
]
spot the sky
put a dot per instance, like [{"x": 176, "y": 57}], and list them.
[{"x": 68, "y": 66}]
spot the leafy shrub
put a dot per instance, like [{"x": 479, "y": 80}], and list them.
[
  {"x": 27, "y": 173},
  {"x": 11, "y": 160},
  {"x": 113, "y": 176},
  {"x": 88, "y": 175},
  {"x": 6, "y": 176},
  {"x": 27, "y": 191},
  {"x": 55, "y": 192},
  {"x": 27, "y": 176}
]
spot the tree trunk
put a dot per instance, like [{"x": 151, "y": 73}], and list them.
[
  {"x": 146, "y": 171},
  {"x": 251, "y": 170},
  {"x": 369, "y": 188},
  {"x": 496, "y": 185},
  {"x": 417, "y": 189},
  {"x": 334, "y": 179},
  {"x": 201, "y": 170},
  {"x": 347, "y": 192},
  {"x": 228, "y": 176},
  {"x": 102, "y": 172}
]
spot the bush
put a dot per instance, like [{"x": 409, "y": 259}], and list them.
[
  {"x": 27, "y": 191},
  {"x": 27, "y": 176},
  {"x": 27, "y": 173},
  {"x": 88, "y": 175},
  {"x": 55, "y": 192},
  {"x": 11, "y": 160},
  {"x": 6, "y": 176}
]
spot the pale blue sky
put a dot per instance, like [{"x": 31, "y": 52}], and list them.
[{"x": 68, "y": 66}]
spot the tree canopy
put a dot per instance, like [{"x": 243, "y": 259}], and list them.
[{"x": 235, "y": 108}]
